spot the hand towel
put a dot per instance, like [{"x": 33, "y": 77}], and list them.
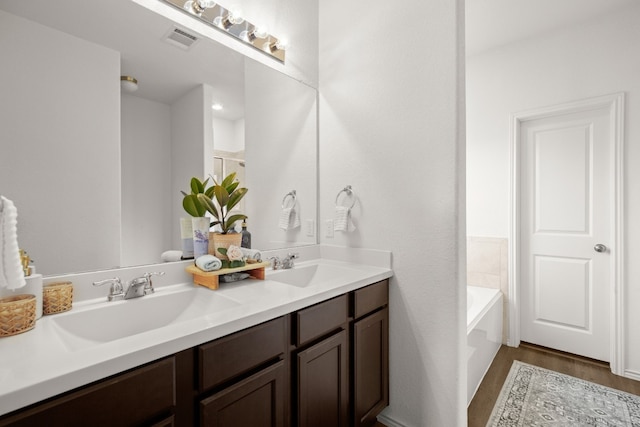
[
  {"x": 170, "y": 256},
  {"x": 252, "y": 254},
  {"x": 10, "y": 253},
  {"x": 208, "y": 263},
  {"x": 289, "y": 219},
  {"x": 342, "y": 220}
]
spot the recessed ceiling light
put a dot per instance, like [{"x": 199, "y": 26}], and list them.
[{"x": 217, "y": 106}]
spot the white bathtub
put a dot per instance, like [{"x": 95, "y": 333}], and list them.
[{"x": 484, "y": 333}]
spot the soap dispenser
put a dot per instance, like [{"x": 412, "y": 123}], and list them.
[{"x": 246, "y": 236}]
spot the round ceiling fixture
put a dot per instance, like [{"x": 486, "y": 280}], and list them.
[{"x": 128, "y": 83}]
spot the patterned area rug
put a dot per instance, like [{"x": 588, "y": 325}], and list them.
[{"x": 533, "y": 396}]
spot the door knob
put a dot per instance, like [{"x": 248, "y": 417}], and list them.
[{"x": 600, "y": 248}]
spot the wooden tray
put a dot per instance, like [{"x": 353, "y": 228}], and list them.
[{"x": 209, "y": 279}]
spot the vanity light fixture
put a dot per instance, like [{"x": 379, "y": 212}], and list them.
[
  {"x": 233, "y": 17},
  {"x": 196, "y": 7},
  {"x": 229, "y": 21},
  {"x": 128, "y": 83}
]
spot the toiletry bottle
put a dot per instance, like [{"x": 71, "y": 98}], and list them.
[{"x": 246, "y": 236}]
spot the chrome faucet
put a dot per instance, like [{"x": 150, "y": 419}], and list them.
[
  {"x": 287, "y": 262},
  {"x": 116, "y": 292},
  {"x": 138, "y": 287},
  {"x": 284, "y": 263}
]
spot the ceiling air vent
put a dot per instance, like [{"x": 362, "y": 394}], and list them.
[{"x": 180, "y": 38}]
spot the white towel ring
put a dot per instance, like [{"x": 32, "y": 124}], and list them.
[
  {"x": 349, "y": 193},
  {"x": 291, "y": 194}
]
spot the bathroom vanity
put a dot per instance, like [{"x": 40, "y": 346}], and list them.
[{"x": 301, "y": 354}]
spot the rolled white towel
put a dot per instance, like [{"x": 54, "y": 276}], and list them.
[
  {"x": 171, "y": 256},
  {"x": 12, "y": 267},
  {"x": 208, "y": 263},
  {"x": 252, "y": 254}
]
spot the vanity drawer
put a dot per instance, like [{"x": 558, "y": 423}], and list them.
[
  {"x": 236, "y": 354},
  {"x": 137, "y": 397},
  {"x": 320, "y": 319},
  {"x": 370, "y": 298}
]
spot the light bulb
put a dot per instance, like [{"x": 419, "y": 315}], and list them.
[
  {"x": 196, "y": 7},
  {"x": 207, "y": 4},
  {"x": 261, "y": 31},
  {"x": 217, "y": 106},
  {"x": 235, "y": 16},
  {"x": 280, "y": 44}
]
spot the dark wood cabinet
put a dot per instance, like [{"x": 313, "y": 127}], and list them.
[
  {"x": 323, "y": 383},
  {"x": 370, "y": 367},
  {"x": 324, "y": 365},
  {"x": 142, "y": 396},
  {"x": 257, "y": 401}
]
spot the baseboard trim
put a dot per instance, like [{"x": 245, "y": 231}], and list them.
[
  {"x": 389, "y": 422},
  {"x": 634, "y": 375}
]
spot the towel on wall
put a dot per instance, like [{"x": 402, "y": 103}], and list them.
[
  {"x": 342, "y": 220},
  {"x": 11, "y": 274},
  {"x": 252, "y": 254},
  {"x": 289, "y": 219}
]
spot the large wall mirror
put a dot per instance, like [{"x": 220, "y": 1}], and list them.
[{"x": 96, "y": 172}]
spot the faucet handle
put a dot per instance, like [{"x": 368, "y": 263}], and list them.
[
  {"x": 275, "y": 262},
  {"x": 116, "y": 291},
  {"x": 293, "y": 255},
  {"x": 148, "y": 287}
]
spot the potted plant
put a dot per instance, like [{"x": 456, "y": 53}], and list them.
[
  {"x": 199, "y": 222},
  {"x": 219, "y": 200}
]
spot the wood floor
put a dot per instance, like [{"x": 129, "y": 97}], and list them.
[{"x": 595, "y": 371}]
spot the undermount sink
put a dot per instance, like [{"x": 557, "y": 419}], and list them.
[
  {"x": 115, "y": 320},
  {"x": 311, "y": 275}
]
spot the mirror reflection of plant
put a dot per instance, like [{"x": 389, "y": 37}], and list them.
[
  {"x": 226, "y": 195},
  {"x": 191, "y": 203}
]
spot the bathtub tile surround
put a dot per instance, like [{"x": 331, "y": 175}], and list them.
[{"x": 488, "y": 267}]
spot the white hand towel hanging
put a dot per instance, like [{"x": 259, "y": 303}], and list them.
[
  {"x": 289, "y": 219},
  {"x": 342, "y": 220},
  {"x": 12, "y": 274}
]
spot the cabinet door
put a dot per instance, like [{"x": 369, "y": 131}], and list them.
[
  {"x": 371, "y": 367},
  {"x": 257, "y": 401},
  {"x": 323, "y": 383}
]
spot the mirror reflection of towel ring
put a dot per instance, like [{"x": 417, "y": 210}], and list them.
[
  {"x": 349, "y": 193},
  {"x": 290, "y": 195}
]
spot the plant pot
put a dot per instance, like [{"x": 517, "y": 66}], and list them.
[{"x": 218, "y": 240}]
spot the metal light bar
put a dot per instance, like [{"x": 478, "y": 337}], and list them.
[{"x": 231, "y": 22}]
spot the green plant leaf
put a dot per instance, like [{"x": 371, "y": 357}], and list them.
[
  {"x": 228, "y": 180},
  {"x": 209, "y": 192},
  {"x": 236, "y": 264},
  {"x": 223, "y": 251},
  {"x": 222, "y": 196},
  {"x": 196, "y": 186},
  {"x": 232, "y": 220},
  {"x": 232, "y": 187},
  {"x": 236, "y": 197},
  {"x": 193, "y": 207},
  {"x": 208, "y": 205}
]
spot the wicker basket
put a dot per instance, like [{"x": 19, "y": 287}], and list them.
[
  {"x": 57, "y": 297},
  {"x": 17, "y": 314}
]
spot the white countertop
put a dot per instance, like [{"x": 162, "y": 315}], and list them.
[{"x": 40, "y": 363}]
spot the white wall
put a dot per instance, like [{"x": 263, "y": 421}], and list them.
[
  {"x": 281, "y": 154},
  {"x": 228, "y": 135},
  {"x": 392, "y": 126},
  {"x": 146, "y": 180},
  {"x": 68, "y": 117},
  {"x": 588, "y": 60}
]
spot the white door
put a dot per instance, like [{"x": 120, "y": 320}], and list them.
[{"x": 565, "y": 214}]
